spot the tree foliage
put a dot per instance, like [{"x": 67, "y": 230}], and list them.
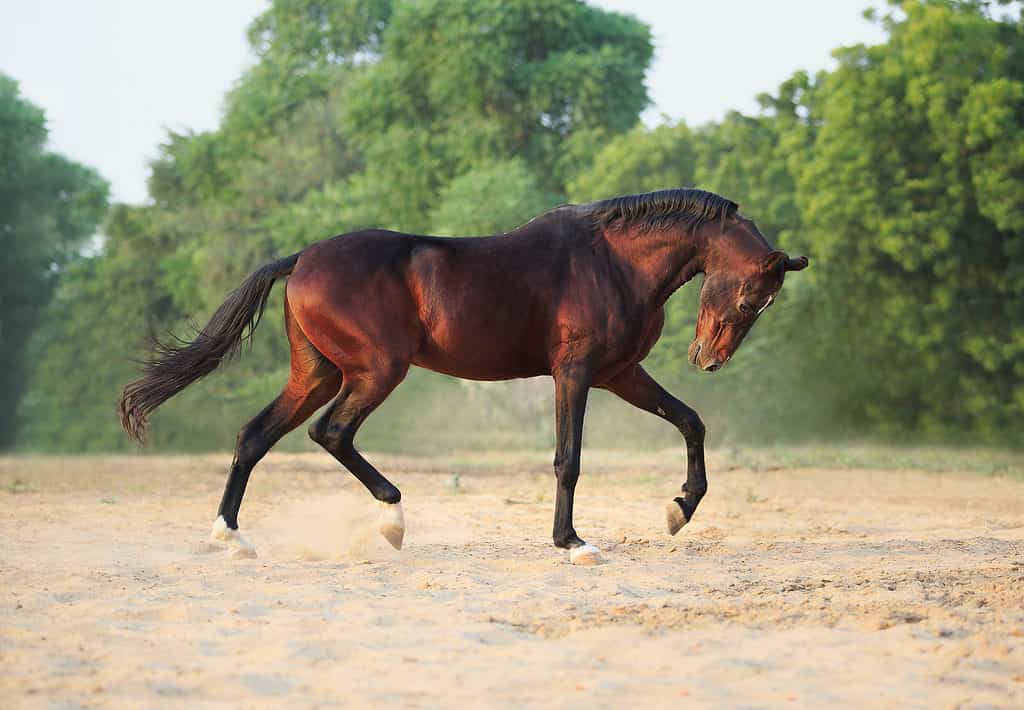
[
  {"x": 49, "y": 208},
  {"x": 911, "y": 194},
  {"x": 900, "y": 173}
]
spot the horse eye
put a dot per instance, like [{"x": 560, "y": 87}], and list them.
[{"x": 746, "y": 308}]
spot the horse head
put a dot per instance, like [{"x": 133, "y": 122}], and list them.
[{"x": 742, "y": 277}]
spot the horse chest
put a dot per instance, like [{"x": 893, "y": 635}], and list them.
[
  {"x": 640, "y": 337},
  {"x": 616, "y": 337}
]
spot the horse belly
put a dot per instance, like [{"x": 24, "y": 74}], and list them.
[
  {"x": 476, "y": 312},
  {"x": 478, "y": 349},
  {"x": 474, "y": 330}
]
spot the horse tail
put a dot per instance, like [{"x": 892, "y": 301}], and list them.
[{"x": 178, "y": 364}]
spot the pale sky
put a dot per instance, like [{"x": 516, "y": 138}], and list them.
[{"x": 112, "y": 75}]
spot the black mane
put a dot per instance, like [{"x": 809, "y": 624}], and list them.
[{"x": 661, "y": 209}]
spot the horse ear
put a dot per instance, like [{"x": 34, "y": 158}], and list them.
[
  {"x": 796, "y": 264},
  {"x": 773, "y": 259}
]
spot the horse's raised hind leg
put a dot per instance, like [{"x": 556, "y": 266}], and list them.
[
  {"x": 572, "y": 383},
  {"x": 361, "y": 393},
  {"x": 256, "y": 438},
  {"x": 639, "y": 389},
  {"x": 311, "y": 384}
]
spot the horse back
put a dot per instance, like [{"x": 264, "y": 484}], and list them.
[{"x": 488, "y": 308}]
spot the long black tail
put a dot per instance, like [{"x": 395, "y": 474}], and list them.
[{"x": 178, "y": 364}]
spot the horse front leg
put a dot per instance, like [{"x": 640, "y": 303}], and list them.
[
  {"x": 572, "y": 382},
  {"x": 639, "y": 389}
]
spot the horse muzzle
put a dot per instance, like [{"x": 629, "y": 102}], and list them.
[{"x": 701, "y": 357}]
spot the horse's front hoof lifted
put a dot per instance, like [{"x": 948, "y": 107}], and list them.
[
  {"x": 675, "y": 518},
  {"x": 238, "y": 547},
  {"x": 392, "y": 524},
  {"x": 586, "y": 554}
]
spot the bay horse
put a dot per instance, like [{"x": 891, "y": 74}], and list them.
[{"x": 577, "y": 294}]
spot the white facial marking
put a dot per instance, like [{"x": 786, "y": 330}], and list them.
[{"x": 766, "y": 304}]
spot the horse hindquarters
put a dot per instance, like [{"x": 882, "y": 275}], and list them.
[{"x": 350, "y": 298}]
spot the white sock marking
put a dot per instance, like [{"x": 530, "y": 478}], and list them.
[{"x": 238, "y": 546}]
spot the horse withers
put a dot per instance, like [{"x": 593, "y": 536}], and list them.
[{"x": 576, "y": 293}]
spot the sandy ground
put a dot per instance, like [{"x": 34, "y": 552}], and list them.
[{"x": 856, "y": 588}]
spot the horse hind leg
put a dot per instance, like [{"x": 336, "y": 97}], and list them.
[
  {"x": 361, "y": 393},
  {"x": 311, "y": 384}
]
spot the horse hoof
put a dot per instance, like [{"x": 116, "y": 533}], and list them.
[
  {"x": 238, "y": 547},
  {"x": 675, "y": 518},
  {"x": 392, "y": 524},
  {"x": 586, "y": 555},
  {"x": 221, "y": 532},
  {"x": 241, "y": 550}
]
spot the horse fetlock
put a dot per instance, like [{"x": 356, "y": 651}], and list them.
[
  {"x": 567, "y": 539},
  {"x": 693, "y": 492},
  {"x": 392, "y": 523},
  {"x": 388, "y": 495}
]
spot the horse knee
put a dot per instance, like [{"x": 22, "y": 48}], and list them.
[
  {"x": 250, "y": 447},
  {"x": 566, "y": 474},
  {"x": 691, "y": 426}
]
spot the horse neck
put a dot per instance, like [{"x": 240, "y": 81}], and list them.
[
  {"x": 735, "y": 245},
  {"x": 657, "y": 262}
]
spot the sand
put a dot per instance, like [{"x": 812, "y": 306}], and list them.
[{"x": 791, "y": 588}]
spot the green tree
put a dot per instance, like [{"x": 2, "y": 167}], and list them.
[
  {"x": 638, "y": 161},
  {"x": 490, "y": 200},
  {"x": 911, "y": 194},
  {"x": 899, "y": 173},
  {"x": 463, "y": 84},
  {"x": 49, "y": 208}
]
